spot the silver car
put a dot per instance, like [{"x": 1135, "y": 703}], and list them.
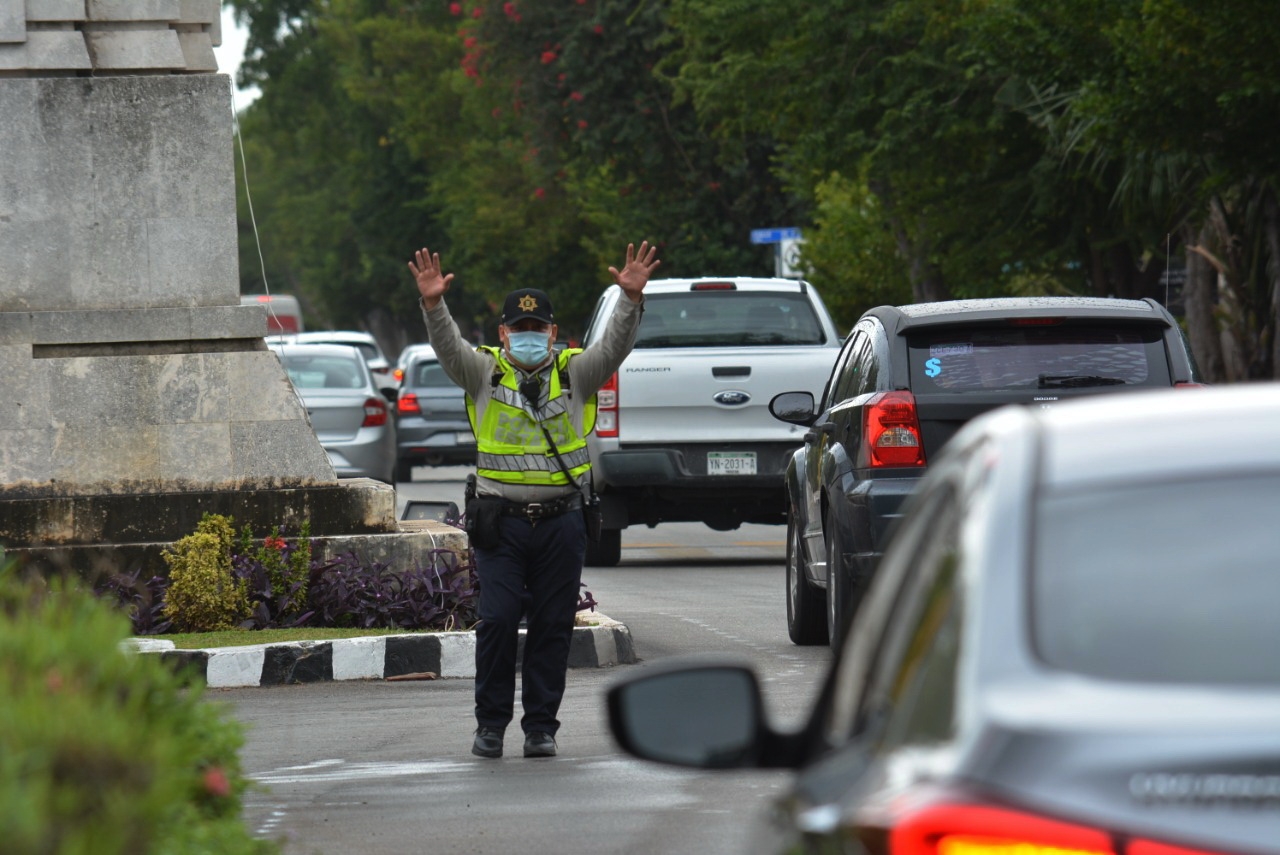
[
  {"x": 431, "y": 418},
  {"x": 383, "y": 372},
  {"x": 350, "y": 415}
]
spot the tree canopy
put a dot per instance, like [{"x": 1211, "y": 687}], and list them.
[{"x": 929, "y": 149}]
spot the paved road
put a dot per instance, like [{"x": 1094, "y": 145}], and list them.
[{"x": 376, "y": 767}]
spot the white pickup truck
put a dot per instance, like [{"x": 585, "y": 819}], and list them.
[{"x": 684, "y": 432}]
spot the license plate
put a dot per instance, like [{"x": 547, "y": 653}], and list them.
[{"x": 731, "y": 463}]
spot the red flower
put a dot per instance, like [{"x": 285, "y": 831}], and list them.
[
  {"x": 455, "y": 9},
  {"x": 216, "y": 783},
  {"x": 577, "y": 96},
  {"x": 540, "y": 193},
  {"x": 598, "y": 29},
  {"x": 274, "y": 542},
  {"x": 548, "y": 57},
  {"x": 469, "y": 41},
  {"x": 497, "y": 111},
  {"x": 582, "y": 124},
  {"x": 477, "y": 12},
  {"x": 509, "y": 9}
]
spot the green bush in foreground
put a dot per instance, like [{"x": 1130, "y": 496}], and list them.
[{"x": 101, "y": 751}]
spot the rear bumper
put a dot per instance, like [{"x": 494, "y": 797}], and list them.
[
  {"x": 651, "y": 485},
  {"x": 870, "y": 508},
  {"x": 419, "y": 440}
]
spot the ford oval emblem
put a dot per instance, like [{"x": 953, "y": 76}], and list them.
[{"x": 731, "y": 398}]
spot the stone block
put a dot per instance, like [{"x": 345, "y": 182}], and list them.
[
  {"x": 46, "y": 175},
  {"x": 133, "y": 10},
  {"x": 260, "y": 389},
  {"x": 46, "y": 50},
  {"x": 141, "y": 47},
  {"x": 27, "y": 458},
  {"x": 13, "y": 21},
  {"x": 260, "y": 451},
  {"x": 207, "y": 12},
  {"x": 55, "y": 10},
  {"x": 15, "y": 328},
  {"x": 197, "y": 50},
  {"x": 193, "y": 259},
  {"x": 25, "y": 402},
  {"x": 359, "y": 658},
  {"x": 163, "y": 148}
]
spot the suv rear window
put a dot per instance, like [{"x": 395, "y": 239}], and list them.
[
  {"x": 1050, "y": 356},
  {"x": 1128, "y": 584},
  {"x": 728, "y": 319}
]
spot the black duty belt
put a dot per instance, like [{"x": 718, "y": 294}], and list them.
[{"x": 534, "y": 511}]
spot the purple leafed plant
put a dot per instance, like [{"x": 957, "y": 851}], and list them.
[{"x": 346, "y": 591}]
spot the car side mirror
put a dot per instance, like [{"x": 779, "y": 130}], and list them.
[
  {"x": 796, "y": 408},
  {"x": 707, "y": 716}
]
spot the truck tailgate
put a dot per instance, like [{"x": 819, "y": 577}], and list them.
[{"x": 714, "y": 394}]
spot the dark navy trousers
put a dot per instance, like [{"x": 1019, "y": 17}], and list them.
[{"x": 538, "y": 564}]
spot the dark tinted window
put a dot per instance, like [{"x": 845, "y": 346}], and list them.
[
  {"x": 851, "y": 381},
  {"x": 1169, "y": 582},
  {"x": 429, "y": 374},
  {"x": 1055, "y": 356},
  {"x": 728, "y": 318}
]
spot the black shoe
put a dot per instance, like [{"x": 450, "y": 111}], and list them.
[
  {"x": 488, "y": 742},
  {"x": 539, "y": 744}
]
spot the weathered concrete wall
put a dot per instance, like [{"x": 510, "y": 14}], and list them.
[
  {"x": 128, "y": 364},
  {"x": 42, "y": 37}
]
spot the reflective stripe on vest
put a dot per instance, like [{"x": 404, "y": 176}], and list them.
[{"x": 510, "y": 446}]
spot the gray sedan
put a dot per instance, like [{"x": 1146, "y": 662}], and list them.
[{"x": 349, "y": 414}]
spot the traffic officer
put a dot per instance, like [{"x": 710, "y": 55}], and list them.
[{"x": 527, "y": 524}]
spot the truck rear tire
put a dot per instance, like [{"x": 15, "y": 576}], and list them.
[{"x": 606, "y": 553}]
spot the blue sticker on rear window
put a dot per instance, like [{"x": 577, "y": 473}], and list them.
[{"x": 933, "y": 367}]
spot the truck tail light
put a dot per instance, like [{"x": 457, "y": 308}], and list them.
[
  {"x": 407, "y": 404},
  {"x": 375, "y": 413},
  {"x": 607, "y": 408},
  {"x": 891, "y": 430}
]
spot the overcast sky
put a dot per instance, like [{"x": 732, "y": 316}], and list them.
[{"x": 230, "y": 54}]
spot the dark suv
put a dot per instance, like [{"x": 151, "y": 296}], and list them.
[{"x": 906, "y": 379}]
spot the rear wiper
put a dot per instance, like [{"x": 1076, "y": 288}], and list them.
[{"x": 1065, "y": 381}]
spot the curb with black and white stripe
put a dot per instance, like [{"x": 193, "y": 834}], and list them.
[{"x": 445, "y": 654}]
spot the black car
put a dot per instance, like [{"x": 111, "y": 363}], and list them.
[
  {"x": 1069, "y": 647},
  {"x": 907, "y": 378},
  {"x": 431, "y": 417}
]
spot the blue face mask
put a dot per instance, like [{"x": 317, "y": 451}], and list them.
[{"x": 529, "y": 348}]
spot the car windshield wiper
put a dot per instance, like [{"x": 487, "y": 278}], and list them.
[{"x": 1064, "y": 381}]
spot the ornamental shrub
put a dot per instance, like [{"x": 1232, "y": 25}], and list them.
[
  {"x": 204, "y": 595},
  {"x": 102, "y": 751}
]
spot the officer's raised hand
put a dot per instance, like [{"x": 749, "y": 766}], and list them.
[
  {"x": 431, "y": 283},
  {"x": 635, "y": 273}
]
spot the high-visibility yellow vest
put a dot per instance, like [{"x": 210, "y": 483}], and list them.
[{"x": 511, "y": 447}]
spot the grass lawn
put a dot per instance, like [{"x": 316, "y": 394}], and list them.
[{"x": 241, "y": 637}]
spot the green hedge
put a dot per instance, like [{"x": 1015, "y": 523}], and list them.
[{"x": 103, "y": 751}]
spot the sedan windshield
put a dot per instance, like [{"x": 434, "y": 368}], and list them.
[{"x": 1173, "y": 582}]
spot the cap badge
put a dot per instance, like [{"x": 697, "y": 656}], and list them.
[{"x": 528, "y": 303}]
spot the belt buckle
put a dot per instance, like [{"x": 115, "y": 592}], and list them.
[{"x": 534, "y": 510}]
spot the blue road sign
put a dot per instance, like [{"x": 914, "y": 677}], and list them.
[{"x": 774, "y": 235}]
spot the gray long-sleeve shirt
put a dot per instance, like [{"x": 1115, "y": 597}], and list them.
[{"x": 472, "y": 369}]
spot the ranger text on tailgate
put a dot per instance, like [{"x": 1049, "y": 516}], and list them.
[{"x": 683, "y": 432}]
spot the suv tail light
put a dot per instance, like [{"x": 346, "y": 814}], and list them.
[
  {"x": 953, "y": 828},
  {"x": 607, "y": 408},
  {"x": 375, "y": 413},
  {"x": 407, "y": 404},
  {"x": 891, "y": 430}
]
